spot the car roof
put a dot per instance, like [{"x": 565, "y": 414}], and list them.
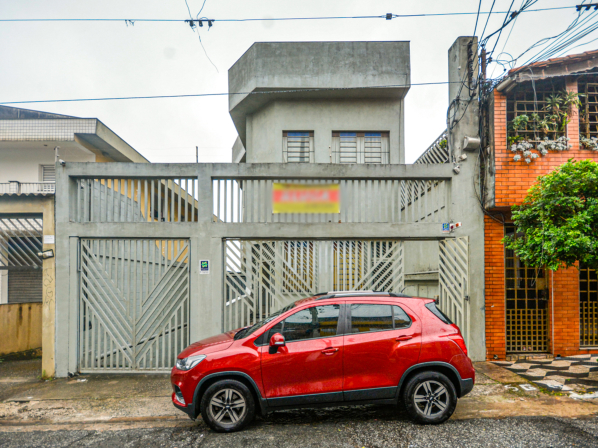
[{"x": 366, "y": 295}]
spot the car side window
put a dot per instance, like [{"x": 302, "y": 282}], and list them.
[
  {"x": 370, "y": 317},
  {"x": 310, "y": 323},
  {"x": 400, "y": 317}
]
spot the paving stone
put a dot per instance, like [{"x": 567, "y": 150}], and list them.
[
  {"x": 552, "y": 385},
  {"x": 578, "y": 357},
  {"x": 573, "y": 371},
  {"x": 557, "y": 365},
  {"x": 534, "y": 374},
  {"x": 502, "y": 363},
  {"x": 590, "y": 381},
  {"x": 520, "y": 367}
]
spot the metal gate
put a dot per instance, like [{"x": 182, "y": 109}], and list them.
[
  {"x": 453, "y": 277},
  {"x": 588, "y": 306},
  {"x": 260, "y": 277},
  {"x": 133, "y": 303}
]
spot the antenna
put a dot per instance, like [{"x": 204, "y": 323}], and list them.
[{"x": 196, "y": 154}]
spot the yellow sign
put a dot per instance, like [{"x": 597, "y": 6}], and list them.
[{"x": 306, "y": 198}]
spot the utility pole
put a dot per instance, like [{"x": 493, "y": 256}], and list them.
[{"x": 483, "y": 64}]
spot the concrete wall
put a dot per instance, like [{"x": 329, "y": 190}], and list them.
[
  {"x": 313, "y": 74},
  {"x": 21, "y": 162},
  {"x": 265, "y": 127},
  {"x": 20, "y": 327}
]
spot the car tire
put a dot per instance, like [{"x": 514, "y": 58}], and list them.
[
  {"x": 430, "y": 398},
  {"x": 227, "y": 406}
]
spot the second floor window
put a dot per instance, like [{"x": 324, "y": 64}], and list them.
[
  {"x": 297, "y": 147},
  {"x": 360, "y": 147}
]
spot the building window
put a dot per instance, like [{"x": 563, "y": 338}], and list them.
[
  {"x": 298, "y": 147},
  {"x": 528, "y": 99},
  {"x": 48, "y": 173},
  {"x": 588, "y": 306},
  {"x": 360, "y": 147},
  {"x": 588, "y": 111}
]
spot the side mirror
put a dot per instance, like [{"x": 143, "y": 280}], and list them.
[{"x": 277, "y": 340}]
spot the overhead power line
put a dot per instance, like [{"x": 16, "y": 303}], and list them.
[
  {"x": 269, "y": 19},
  {"x": 192, "y": 95}
]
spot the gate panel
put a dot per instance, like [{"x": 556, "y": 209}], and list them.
[
  {"x": 261, "y": 277},
  {"x": 133, "y": 303},
  {"x": 453, "y": 276}
]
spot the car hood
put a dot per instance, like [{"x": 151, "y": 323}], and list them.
[{"x": 209, "y": 345}]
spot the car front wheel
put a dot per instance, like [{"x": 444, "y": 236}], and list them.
[
  {"x": 227, "y": 406},
  {"x": 430, "y": 398}
]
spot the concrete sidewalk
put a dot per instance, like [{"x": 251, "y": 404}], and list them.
[{"x": 125, "y": 401}]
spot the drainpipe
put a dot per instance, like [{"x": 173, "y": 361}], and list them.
[{"x": 552, "y": 310}]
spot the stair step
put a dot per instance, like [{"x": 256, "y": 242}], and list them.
[
  {"x": 590, "y": 381},
  {"x": 557, "y": 365},
  {"x": 578, "y": 357},
  {"x": 534, "y": 374},
  {"x": 571, "y": 372},
  {"x": 519, "y": 367},
  {"x": 502, "y": 363}
]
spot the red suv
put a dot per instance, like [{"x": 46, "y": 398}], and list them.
[{"x": 338, "y": 348}]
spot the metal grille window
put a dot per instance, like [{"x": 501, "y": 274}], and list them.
[
  {"x": 588, "y": 112},
  {"x": 360, "y": 147},
  {"x": 298, "y": 147},
  {"x": 528, "y": 100},
  {"x": 526, "y": 304},
  {"x": 588, "y": 306}
]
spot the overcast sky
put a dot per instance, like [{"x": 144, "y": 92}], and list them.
[{"x": 41, "y": 61}]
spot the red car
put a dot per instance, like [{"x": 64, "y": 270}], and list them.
[{"x": 338, "y": 348}]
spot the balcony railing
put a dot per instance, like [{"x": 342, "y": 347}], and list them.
[{"x": 14, "y": 187}]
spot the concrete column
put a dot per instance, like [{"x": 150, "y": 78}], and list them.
[
  {"x": 3, "y": 286},
  {"x": 48, "y": 292},
  {"x": 463, "y": 121}
]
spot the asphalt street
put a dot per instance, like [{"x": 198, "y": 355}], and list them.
[{"x": 373, "y": 427}]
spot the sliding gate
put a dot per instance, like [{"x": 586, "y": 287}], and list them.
[
  {"x": 133, "y": 303},
  {"x": 261, "y": 277}
]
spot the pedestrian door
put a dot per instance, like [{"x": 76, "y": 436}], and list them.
[{"x": 133, "y": 303}]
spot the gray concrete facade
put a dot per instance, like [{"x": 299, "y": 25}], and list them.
[
  {"x": 321, "y": 87},
  {"x": 260, "y": 119}
]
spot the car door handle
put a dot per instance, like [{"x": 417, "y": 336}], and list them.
[
  {"x": 330, "y": 351},
  {"x": 405, "y": 337}
]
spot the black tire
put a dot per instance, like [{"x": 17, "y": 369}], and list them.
[
  {"x": 436, "y": 398},
  {"x": 219, "y": 410}
]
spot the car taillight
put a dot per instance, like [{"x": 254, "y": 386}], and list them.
[{"x": 459, "y": 340}]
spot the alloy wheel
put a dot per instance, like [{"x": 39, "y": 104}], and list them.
[
  {"x": 431, "y": 398},
  {"x": 227, "y": 407}
]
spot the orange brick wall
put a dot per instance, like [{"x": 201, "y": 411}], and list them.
[
  {"x": 513, "y": 179},
  {"x": 495, "y": 289}
]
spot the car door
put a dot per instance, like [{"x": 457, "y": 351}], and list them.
[
  {"x": 309, "y": 368},
  {"x": 383, "y": 340}
]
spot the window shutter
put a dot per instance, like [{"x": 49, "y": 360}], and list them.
[
  {"x": 360, "y": 147},
  {"x": 297, "y": 147},
  {"x": 48, "y": 173}
]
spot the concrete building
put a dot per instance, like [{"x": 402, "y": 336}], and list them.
[
  {"x": 535, "y": 310},
  {"x": 319, "y": 120},
  {"x": 30, "y": 144}
]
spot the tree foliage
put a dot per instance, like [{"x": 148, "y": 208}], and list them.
[{"x": 557, "y": 224}]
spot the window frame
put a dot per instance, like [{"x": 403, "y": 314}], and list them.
[
  {"x": 263, "y": 339},
  {"x": 348, "y": 324},
  {"x": 360, "y": 147},
  {"x": 285, "y": 146}
]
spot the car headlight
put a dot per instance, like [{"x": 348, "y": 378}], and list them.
[{"x": 190, "y": 362}]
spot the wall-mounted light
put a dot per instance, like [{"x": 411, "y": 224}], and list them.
[{"x": 46, "y": 254}]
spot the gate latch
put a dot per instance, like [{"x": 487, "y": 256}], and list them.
[{"x": 466, "y": 298}]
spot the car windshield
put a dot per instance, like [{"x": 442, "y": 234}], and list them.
[{"x": 250, "y": 330}]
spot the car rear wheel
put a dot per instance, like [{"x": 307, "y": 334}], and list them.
[
  {"x": 227, "y": 406},
  {"x": 430, "y": 398}
]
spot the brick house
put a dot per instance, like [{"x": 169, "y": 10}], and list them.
[{"x": 529, "y": 310}]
